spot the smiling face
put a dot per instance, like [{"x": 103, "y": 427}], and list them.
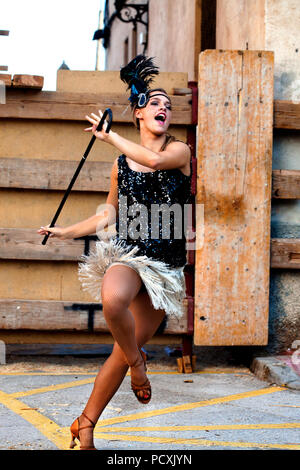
[{"x": 156, "y": 115}]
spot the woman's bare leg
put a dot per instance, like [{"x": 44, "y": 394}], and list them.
[
  {"x": 112, "y": 373},
  {"x": 120, "y": 286}
]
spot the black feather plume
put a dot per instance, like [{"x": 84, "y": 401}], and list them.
[{"x": 138, "y": 74}]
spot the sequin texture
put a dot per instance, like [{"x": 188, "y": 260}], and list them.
[{"x": 141, "y": 194}]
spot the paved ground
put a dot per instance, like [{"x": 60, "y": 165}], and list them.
[{"x": 219, "y": 407}]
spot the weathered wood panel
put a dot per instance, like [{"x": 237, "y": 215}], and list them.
[
  {"x": 28, "y": 81},
  {"x": 286, "y": 184},
  {"x": 26, "y": 244},
  {"x": 53, "y": 174},
  {"x": 108, "y": 81},
  {"x": 27, "y": 208},
  {"x": 37, "y": 173},
  {"x": 286, "y": 114},
  {"x": 63, "y": 140},
  {"x": 6, "y": 78},
  {"x": 41, "y": 280},
  {"x": 285, "y": 253},
  {"x": 75, "y": 106},
  {"x": 18, "y": 314},
  {"x": 234, "y": 186}
]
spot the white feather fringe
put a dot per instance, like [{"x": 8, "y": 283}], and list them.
[{"x": 165, "y": 285}]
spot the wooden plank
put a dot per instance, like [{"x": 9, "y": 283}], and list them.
[
  {"x": 53, "y": 174},
  {"x": 25, "y": 244},
  {"x": 285, "y": 253},
  {"x": 108, "y": 81},
  {"x": 37, "y": 173},
  {"x": 286, "y": 184},
  {"x": 286, "y": 114},
  {"x": 234, "y": 188},
  {"x": 18, "y": 314},
  {"x": 32, "y": 337},
  {"x": 4, "y": 68},
  {"x": 4, "y": 32},
  {"x": 6, "y": 78},
  {"x": 75, "y": 106},
  {"x": 28, "y": 81},
  {"x": 45, "y": 315}
]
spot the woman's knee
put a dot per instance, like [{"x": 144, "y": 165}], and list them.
[
  {"x": 114, "y": 302},
  {"x": 118, "y": 292}
]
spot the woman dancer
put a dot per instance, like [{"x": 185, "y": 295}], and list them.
[{"x": 138, "y": 279}]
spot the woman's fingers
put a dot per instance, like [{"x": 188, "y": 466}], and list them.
[
  {"x": 96, "y": 117},
  {"x": 93, "y": 121}
]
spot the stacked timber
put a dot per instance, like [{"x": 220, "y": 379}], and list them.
[{"x": 43, "y": 139}]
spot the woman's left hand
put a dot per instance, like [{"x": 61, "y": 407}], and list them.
[{"x": 94, "y": 120}]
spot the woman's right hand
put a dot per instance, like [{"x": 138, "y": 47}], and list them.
[{"x": 57, "y": 232}]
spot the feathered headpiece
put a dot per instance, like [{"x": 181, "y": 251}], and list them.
[{"x": 138, "y": 74}]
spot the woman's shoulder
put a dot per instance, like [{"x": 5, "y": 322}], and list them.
[{"x": 172, "y": 141}]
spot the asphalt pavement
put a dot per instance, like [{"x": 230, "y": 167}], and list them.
[{"x": 219, "y": 406}]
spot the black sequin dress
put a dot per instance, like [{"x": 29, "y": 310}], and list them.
[
  {"x": 149, "y": 236},
  {"x": 141, "y": 195}
]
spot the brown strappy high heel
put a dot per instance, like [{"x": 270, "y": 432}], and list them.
[
  {"x": 76, "y": 428},
  {"x": 145, "y": 388}
]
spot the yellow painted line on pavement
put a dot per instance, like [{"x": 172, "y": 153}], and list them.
[
  {"x": 57, "y": 435},
  {"x": 49, "y": 374},
  {"x": 196, "y": 442},
  {"x": 46, "y": 426},
  {"x": 211, "y": 427},
  {"x": 52, "y": 388},
  {"x": 170, "y": 372},
  {"x": 190, "y": 406}
]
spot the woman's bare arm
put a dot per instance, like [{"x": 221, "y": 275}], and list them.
[
  {"x": 177, "y": 154},
  {"x": 99, "y": 221}
]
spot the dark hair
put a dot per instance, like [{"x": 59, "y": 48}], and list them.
[{"x": 135, "y": 119}]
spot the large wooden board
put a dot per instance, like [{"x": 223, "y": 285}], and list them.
[
  {"x": 75, "y": 106},
  {"x": 33, "y": 173},
  {"x": 20, "y": 314},
  {"x": 234, "y": 189}
]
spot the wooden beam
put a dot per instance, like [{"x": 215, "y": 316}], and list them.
[
  {"x": 75, "y": 106},
  {"x": 285, "y": 253},
  {"x": 4, "y": 32},
  {"x": 28, "y": 81},
  {"x": 25, "y": 244},
  {"x": 286, "y": 184},
  {"x": 286, "y": 114},
  {"x": 6, "y": 78},
  {"x": 53, "y": 174},
  {"x": 68, "y": 316},
  {"x": 3, "y": 68}
]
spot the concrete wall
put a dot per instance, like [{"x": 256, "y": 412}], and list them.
[{"x": 274, "y": 25}]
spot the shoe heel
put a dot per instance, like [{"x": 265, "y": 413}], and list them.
[{"x": 73, "y": 442}]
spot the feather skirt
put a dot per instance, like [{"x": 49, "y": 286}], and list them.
[{"x": 165, "y": 285}]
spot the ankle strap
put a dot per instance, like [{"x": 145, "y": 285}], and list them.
[{"x": 83, "y": 414}]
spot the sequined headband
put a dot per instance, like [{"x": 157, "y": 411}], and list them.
[{"x": 143, "y": 98}]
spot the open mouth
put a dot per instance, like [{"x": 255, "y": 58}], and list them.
[{"x": 161, "y": 118}]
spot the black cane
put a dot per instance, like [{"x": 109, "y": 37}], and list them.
[{"x": 108, "y": 112}]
